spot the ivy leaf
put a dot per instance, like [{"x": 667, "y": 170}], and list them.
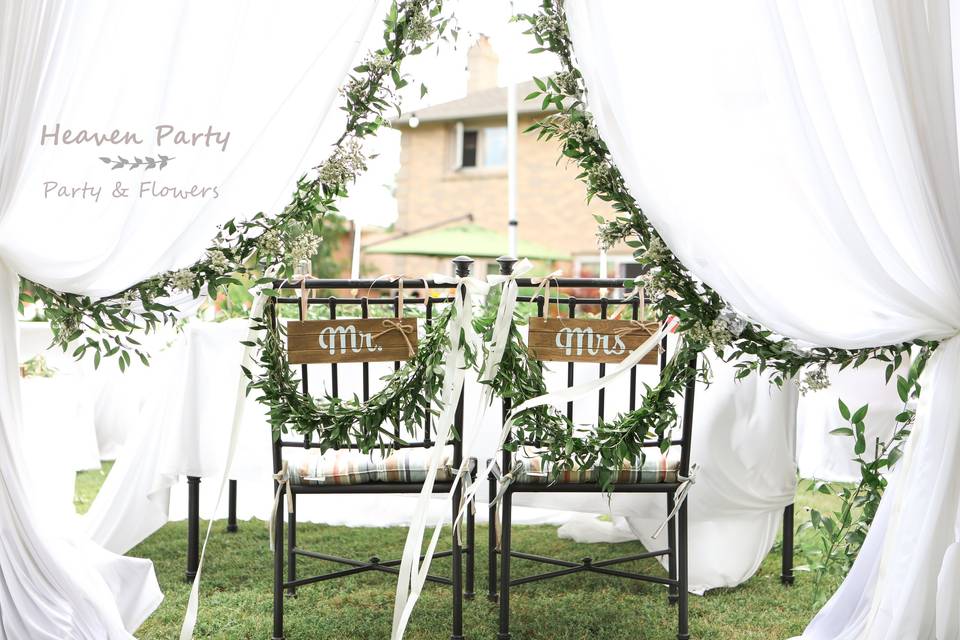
[
  {"x": 861, "y": 445},
  {"x": 903, "y": 388},
  {"x": 860, "y": 414},
  {"x": 844, "y": 410}
]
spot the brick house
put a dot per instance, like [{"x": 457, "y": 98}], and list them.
[{"x": 453, "y": 162}]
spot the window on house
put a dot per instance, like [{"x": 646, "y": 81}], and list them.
[
  {"x": 469, "y": 148},
  {"x": 486, "y": 147},
  {"x": 495, "y": 147}
]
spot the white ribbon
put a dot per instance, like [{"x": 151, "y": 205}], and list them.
[
  {"x": 686, "y": 483},
  {"x": 501, "y": 327},
  {"x": 412, "y": 578},
  {"x": 193, "y": 604},
  {"x": 282, "y": 479}
]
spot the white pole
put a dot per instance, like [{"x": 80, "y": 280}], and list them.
[
  {"x": 512, "y": 168},
  {"x": 355, "y": 261}
]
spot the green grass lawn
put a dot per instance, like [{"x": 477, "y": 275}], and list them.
[{"x": 236, "y": 591}]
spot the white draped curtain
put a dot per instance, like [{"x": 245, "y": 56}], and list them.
[
  {"x": 801, "y": 158},
  {"x": 265, "y": 72}
]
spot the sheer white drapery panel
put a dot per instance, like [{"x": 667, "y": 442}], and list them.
[
  {"x": 801, "y": 158},
  {"x": 263, "y": 72},
  {"x": 743, "y": 443}
]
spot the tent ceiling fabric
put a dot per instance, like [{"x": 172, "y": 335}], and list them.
[
  {"x": 801, "y": 158},
  {"x": 260, "y": 79}
]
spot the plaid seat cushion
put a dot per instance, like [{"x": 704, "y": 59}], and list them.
[
  {"x": 656, "y": 467},
  {"x": 352, "y": 467}
]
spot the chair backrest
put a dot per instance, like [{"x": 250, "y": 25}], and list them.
[
  {"x": 581, "y": 333},
  {"x": 356, "y": 330}
]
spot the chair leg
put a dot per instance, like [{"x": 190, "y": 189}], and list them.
[
  {"x": 683, "y": 571},
  {"x": 193, "y": 527},
  {"x": 471, "y": 544},
  {"x": 457, "y": 561},
  {"x": 278, "y": 571},
  {"x": 292, "y": 546},
  {"x": 504, "y": 633},
  {"x": 672, "y": 595},
  {"x": 492, "y": 543},
  {"x": 232, "y": 508},
  {"x": 786, "y": 570}
]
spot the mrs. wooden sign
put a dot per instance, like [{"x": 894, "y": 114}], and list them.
[
  {"x": 585, "y": 340},
  {"x": 352, "y": 340}
]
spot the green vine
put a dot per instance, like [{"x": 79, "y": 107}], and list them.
[
  {"x": 410, "y": 393},
  {"x": 103, "y": 326}
]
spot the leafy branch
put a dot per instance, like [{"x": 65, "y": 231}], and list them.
[{"x": 841, "y": 534}]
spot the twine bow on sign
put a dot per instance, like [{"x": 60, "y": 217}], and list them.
[
  {"x": 404, "y": 329},
  {"x": 635, "y": 327},
  {"x": 282, "y": 479}
]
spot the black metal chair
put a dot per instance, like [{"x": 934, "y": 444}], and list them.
[
  {"x": 666, "y": 483},
  {"x": 299, "y": 486}
]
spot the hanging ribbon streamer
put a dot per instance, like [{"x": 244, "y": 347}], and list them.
[
  {"x": 407, "y": 597},
  {"x": 256, "y": 311},
  {"x": 498, "y": 342},
  {"x": 460, "y": 334},
  {"x": 501, "y": 326}
]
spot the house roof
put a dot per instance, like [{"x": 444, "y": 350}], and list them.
[
  {"x": 480, "y": 104},
  {"x": 469, "y": 239}
]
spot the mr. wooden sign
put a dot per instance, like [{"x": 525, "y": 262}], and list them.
[
  {"x": 353, "y": 340},
  {"x": 585, "y": 340}
]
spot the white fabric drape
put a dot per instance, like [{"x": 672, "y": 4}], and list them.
[
  {"x": 743, "y": 436},
  {"x": 801, "y": 158},
  {"x": 265, "y": 73}
]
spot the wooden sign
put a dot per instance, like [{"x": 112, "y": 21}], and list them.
[
  {"x": 351, "y": 340},
  {"x": 585, "y": 340}
]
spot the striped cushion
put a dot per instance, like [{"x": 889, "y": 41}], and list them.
[
  {"x": 656, "y": 468},
  {"x": 352, "y": 467}
]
